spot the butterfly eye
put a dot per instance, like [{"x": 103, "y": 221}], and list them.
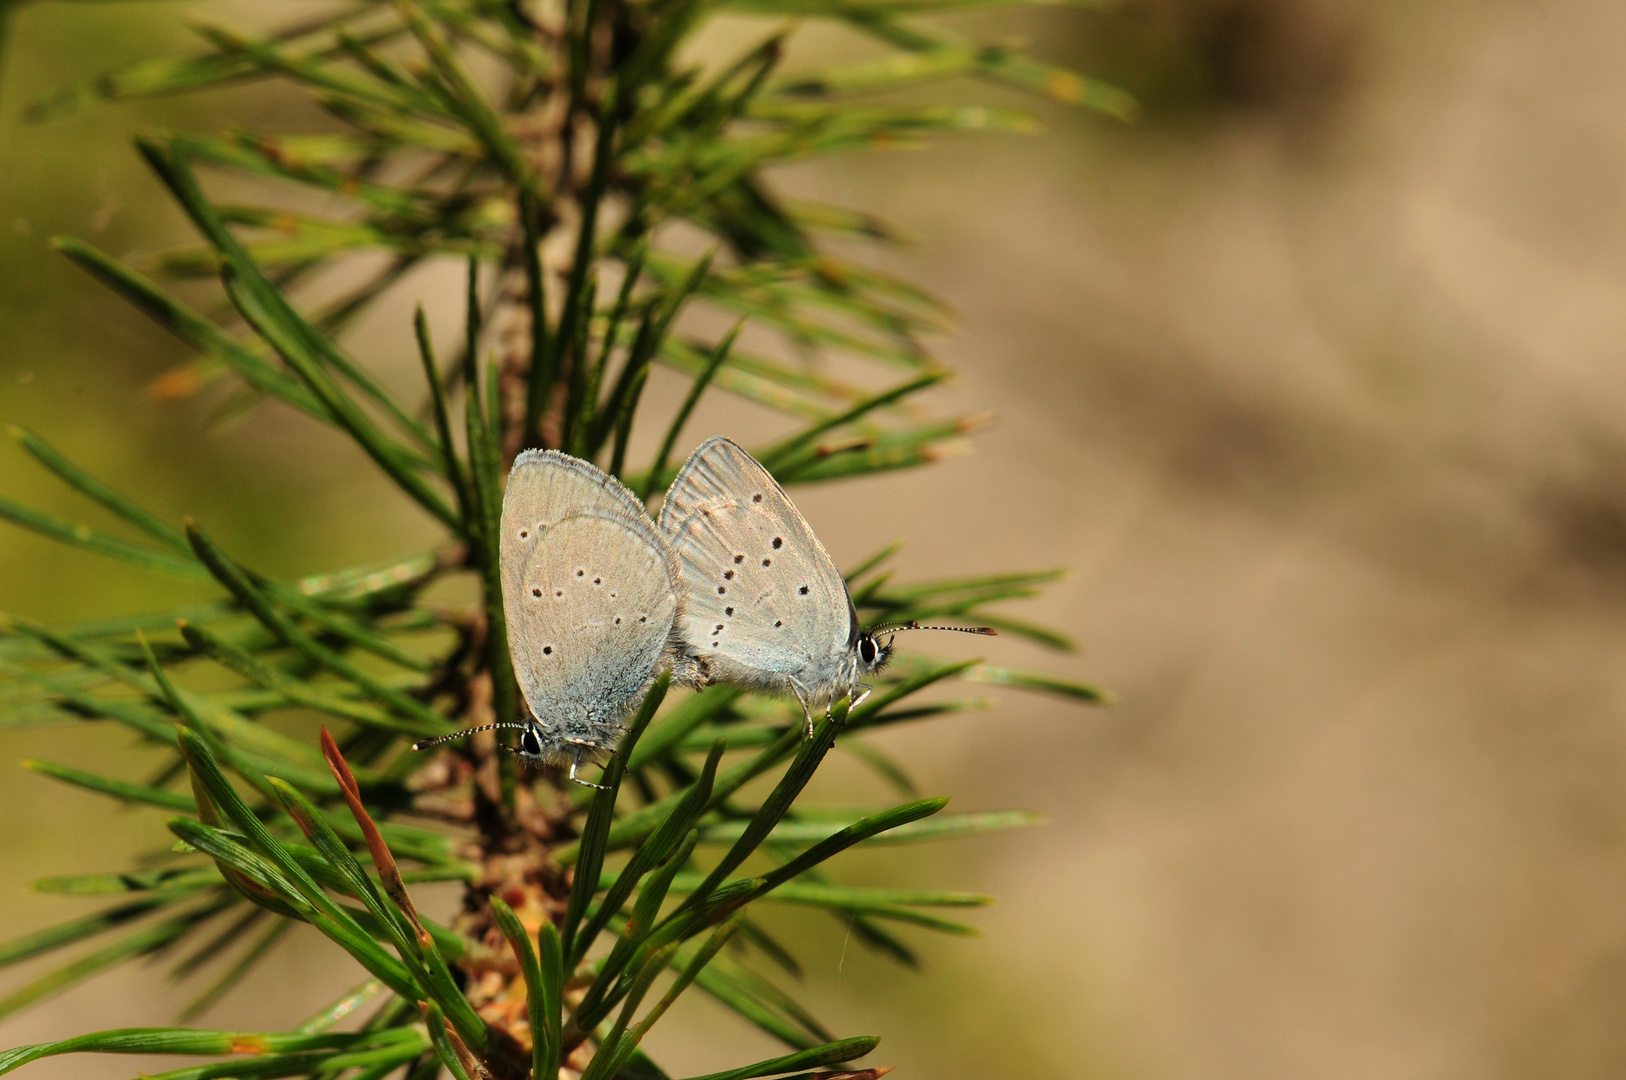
[
  {"x": 529, "y": 743},
  {"x": 866, "y": 649}
]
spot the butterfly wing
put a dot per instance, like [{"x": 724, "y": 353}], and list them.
[
  {"x": 590, "y": 591},
  {"x": 544, "y": 485},
  {"x": 765, "y": 604}
]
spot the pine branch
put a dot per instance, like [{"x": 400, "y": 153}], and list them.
[{"x": 553, "y": 165}]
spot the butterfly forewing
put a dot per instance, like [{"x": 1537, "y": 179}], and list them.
[{"x": 764, "y": 599}]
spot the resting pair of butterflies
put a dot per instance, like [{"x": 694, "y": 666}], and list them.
[{"x": 729, "y": 586}]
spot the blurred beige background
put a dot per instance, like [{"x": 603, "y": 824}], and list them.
[{"x": 1314, "y": 380}]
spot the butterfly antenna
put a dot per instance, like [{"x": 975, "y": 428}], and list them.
[
  {"x": 425, "y": 744},
  {"x": 894, "y": 628}
]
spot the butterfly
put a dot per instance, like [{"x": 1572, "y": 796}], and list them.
[
  {"x": 765, "y": 607},
  {"x": 591, "y": 593}
]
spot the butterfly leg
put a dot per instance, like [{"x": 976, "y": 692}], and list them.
[
  {"x": 801, "y": 696},
  {"x": 857, "y": 693},
  {"x": 576, "y": 762}
]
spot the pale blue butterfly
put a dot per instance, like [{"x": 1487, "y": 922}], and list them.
[
  {"x": 591, "y": 593},
  {"x": 765, "y": 606}
]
